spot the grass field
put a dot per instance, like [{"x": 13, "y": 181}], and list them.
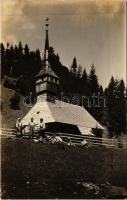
[{"x": 31, "y": 170}]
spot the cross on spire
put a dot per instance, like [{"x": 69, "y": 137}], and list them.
[
  {"x": 47, "y": 22},
  {"x": 47, "y": 19}
]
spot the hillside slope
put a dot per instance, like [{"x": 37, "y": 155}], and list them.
[
  {"x": 44, "y": 171},
  {"x": 9, "y": 115}
]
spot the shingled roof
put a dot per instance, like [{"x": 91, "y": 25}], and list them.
[
  {"x": 47, "y": 71},
  {"x": 61, "y": 112}
]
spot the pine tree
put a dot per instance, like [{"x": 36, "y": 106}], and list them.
[
  {"x": 8, "y": 45},
  {"x": 57, "y": 57},
  {"x": 37, "y": 61},
  {"x": 20, "y": 48},
  {"x": 84, "y": 83},
  {"x": 8, "y": 58},
  {"x": 2, "y": 48},
  {"x": 14, "y": 101},
  {"x": 26, "y": 50},
  {"x": 121, "y": 108},
  {"x": 93, "y": 80},
  {"x": 93, "y": 89},
  {"x": 116, "y": 110},
  {"x": 11, "y": 55},
  {"x": 3, "y": 70},
  {"x": 101, "y": 105},
  {"x": 74, "y": 66},
  {"x": 79, "y": 71},
  {"x": 110, "y": 97},
  {"x": 51, "y": 50}
]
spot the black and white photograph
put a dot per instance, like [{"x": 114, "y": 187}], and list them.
[{"x": 63, "y": 99}]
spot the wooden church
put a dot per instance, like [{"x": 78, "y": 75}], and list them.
[{"x": 58, "y": 115}]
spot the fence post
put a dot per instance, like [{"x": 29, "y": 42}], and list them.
[
  {"x": 116, "y": 143},
  {"x": 89, "y": 140}
]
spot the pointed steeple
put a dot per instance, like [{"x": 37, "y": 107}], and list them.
[
  {"x": 47, "y": 37},
  {"x": 46, "y": 50},
  {"x": 46, "y": 80}
]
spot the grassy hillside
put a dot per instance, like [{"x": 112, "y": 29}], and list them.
[
  {"x": 31, "y": 170},
  {"x": 9, "y": 115}
]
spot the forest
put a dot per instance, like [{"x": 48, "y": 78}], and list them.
[{"x": 19, "y": 66}]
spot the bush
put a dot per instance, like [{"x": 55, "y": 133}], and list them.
[
  {"x": 14, "y": 101},
  {"x": 98, "y": 132},
  {"x": 1, "y": 104},
  {"x": 8, "y": 84}
]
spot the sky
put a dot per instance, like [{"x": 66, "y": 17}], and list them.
[{"x": 91, "y": 30}]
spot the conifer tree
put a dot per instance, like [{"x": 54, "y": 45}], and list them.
[
  {"x": 74, "y": 66},
  {"x": 3, "y": 70},
  {"x": 93, "y": 89},
  {"x": 93, "y": 80},
  {"x": 8, "y": 45},
  {"x": 84, "y": 83},
  {"x": 84, "y": 76},
  {"x": 110, "y": 97},
  {"x": 8, "y": 59},
  {"x": 26, "y": 50},
  {"x": 20, "y": 48},
  {"x": 79, "y": 71},
  {"x": 120, "y": 108},
  {"x": 116, "y": 110}
]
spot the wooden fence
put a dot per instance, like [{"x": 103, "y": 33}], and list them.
[{"x": 76, "y": 139}]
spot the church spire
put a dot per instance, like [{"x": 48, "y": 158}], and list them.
[
  {"x": 47, "y": 37},
  {"x": 46, "y": 50},
  {"x": 46, "y": 80}
]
